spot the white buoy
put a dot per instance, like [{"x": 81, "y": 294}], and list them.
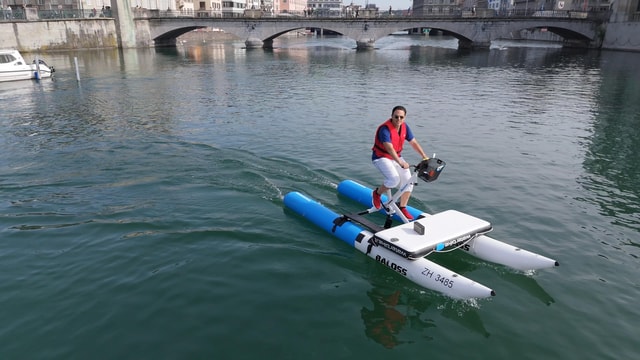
[{"x": 75, "y": 60}]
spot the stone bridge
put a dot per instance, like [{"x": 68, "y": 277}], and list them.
[{"x": 472, "y": 33}]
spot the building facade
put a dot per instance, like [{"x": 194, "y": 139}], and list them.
[
  {"x": 199, "y": 8},
  {"x": 561, "y": 5},
  {"x": 425, "y": 8},
  {"x": 325, "y": 8},
  {"x": 444, "y": 7},
  {"x": 296, "y": 7}
]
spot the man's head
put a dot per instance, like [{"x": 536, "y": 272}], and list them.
[{"x": 397, "y": 115}]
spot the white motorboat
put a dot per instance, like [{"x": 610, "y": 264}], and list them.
[
  {"x": 14, "y": 67},
  {"x": 403, "y": 248}
]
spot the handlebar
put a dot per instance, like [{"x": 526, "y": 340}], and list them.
[{"x": 429, "y": 170}]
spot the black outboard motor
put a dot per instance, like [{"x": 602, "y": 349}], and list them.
[
  {"x": 429, "y": 170},
  {"x": 42, "y": 62}
]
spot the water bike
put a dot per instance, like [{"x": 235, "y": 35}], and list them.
[{"x": 404, "y": 248}]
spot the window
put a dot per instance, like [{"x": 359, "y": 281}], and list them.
[{"x": 6, "y": 58}]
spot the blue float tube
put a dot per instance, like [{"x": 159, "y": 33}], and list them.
[{"x": 322, "y": 216}]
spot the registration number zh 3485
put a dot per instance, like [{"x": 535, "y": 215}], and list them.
[{"x": 445, "y": 281}]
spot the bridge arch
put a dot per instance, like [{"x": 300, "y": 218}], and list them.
[
  {"x": 268, "y": 42},
  {"x": 169, "y": 38},
  {"x": 585, "y": 35}
]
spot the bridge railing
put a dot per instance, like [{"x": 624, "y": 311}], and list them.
[
  {"x": 33, "y": 13},
  {"x": 601, "y": 15}
]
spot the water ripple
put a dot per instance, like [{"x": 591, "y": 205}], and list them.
[{"x": 151, "y": 194}]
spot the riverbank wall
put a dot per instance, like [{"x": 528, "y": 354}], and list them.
[
  {"x": 36, "y": 36},
  {"x": 623, "y": 36}
]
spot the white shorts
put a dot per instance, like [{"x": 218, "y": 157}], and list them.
[{"x": 394, "y": 174}]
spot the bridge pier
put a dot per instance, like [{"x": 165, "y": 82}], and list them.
[
  {"x": 365, "y": 44},
  {"x": 253, "y": 43},
  {"x": 125, "y": 29},
  {"x": 267, "y": 44}
]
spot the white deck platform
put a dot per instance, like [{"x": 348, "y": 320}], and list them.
[{"x": 447, "y": 229}]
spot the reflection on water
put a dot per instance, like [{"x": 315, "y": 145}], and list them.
[
  {"x": 395, "y": 310},
  {"x": 399, "y": 312},
  {"x": 529, "y": 284},
  {"x": 612, "y": 161},
  {"x": 384, "y": 322}
]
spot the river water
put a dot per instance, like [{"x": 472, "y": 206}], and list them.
[{"x": 141, "y": 210}]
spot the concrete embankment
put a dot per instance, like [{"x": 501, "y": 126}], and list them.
[
  {"x": 58, "y": 35},
  {"x": 622, "y": 36}
]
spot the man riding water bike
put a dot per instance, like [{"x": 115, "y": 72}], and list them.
[{"x": 386, "y": 157}]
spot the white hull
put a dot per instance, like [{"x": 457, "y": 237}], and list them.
[
  {"x": 490, "y": 249},
  {"x": 24, "y": 74},
  {"x": 426, "y": 273}
]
